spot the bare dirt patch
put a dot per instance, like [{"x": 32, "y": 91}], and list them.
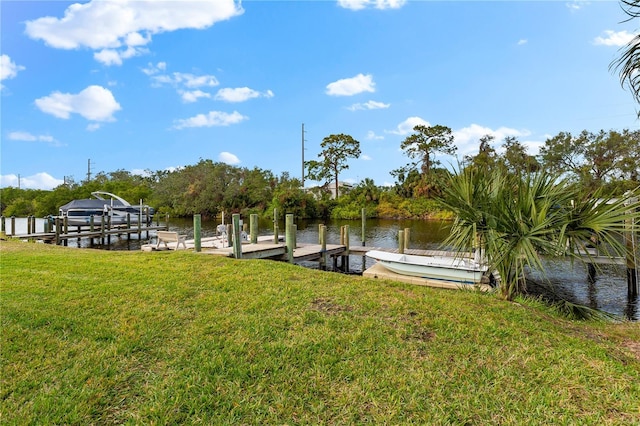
[{"x": 327, "y": 305}]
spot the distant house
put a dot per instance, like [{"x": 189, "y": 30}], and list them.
[{"x": 330, "y": 187}]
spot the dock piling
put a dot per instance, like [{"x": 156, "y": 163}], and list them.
[
  {"x": 363, "y": 238},
  {"x": 289, "y": 236},
  {"x": 197, "y": 240},
  {"x": 407, "y": 235},
  {"x": 629, "y": 240},
  {"x": 237, "y": 237},
  {"x": 229, "y": 234},
  {"x": 401, "y": 241},
  {"x": 323, "y": 247},
  {"x": 253, "y": 228},
  {"x": 57, "y": 225},
  {"x": 275, "y": 226}
]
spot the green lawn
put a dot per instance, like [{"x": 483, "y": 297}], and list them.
[{"x": 99, "y": 337}]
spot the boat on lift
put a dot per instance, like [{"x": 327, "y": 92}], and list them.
[{"x": 107, "y": 205}]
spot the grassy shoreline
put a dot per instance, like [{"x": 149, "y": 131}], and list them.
[{"x": 100, "y": 337}]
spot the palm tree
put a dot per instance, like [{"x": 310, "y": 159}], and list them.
[
  {"x": 517, "y": 220},
  {"x": 629, "y": 62}
]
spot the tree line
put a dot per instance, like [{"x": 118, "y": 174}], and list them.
[{"x": 605, "y": 160}]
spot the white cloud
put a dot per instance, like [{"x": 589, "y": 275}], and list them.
[
  {"x": 114, "y": 57},
  {"x": 522, "y": 41},
  {"x": 378, "y": 4},
  {"x": 467, "y": 139},
  {"x": 154, "y": 69},
  {"x": 576, "y": 5},
  {"x": 240, "y": 94},
  {"x": 365, "y": 157},
  {"x": 106, "y": 26},
  {"x": 92, "y": 127},
  {"x": 614, "y": 38},
  {"x": 8, "y": 68},
  {"x": 351, "y": 86},
  {"x": 28, "y": 137},
  {"x": 93, "y": 103},
  {"x": 38, "y": 181},
  {"x": 213, "y": 118},
  {"x": 407, "y": 126},
  {"x": 368, "y": 105},
  {"x": 189, "y": 96},
  {"x": 141, "y": 172},
  {"x": 371, "y": 135},
  {"x": 190, "y": 81},
  {"x": 228, "y": 158}
]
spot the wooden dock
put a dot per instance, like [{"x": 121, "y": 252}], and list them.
[{"x": 85, "y": 232}]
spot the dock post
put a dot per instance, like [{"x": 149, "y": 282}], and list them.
[
  {"x": 345, "y": 257},
  {"x": 323, "y": 247},
  {"x": 401, "y": 242},
  {"x": 341, "y": 243},
  {"x": 229, "y": 234},
  {"x": 129, "y": 226},
  {"x": 65, "y": 227},
  {"x": 591, "y": 273},
  {"x": 253, "y": 228},
  {"x": 407, "y": 235},
  {"x": 57, "y": 225},
  {"x": 275, "y": 226},
  {"x": 237, "y": 238},
  {"x": 629, "y": 240},
  {"x": 3, "y": 225},
  {"x": 13, "y": 225},
  {"x": 197, "y": 231},
  {"x": 363, "y": 238},
  {"x": 47, "y": 225},
  {"x": 109, "y": 228},
  {"x": 149, "y": 221},
  {"x": 102, "y": 229},
  {"x": 92, "y": 220},
  {"x": 289, "y": 237}
]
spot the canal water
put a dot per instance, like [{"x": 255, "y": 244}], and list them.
[{"x": 607, "y": 293}]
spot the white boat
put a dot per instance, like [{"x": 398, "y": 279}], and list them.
[
  {"x": 446, "y": 268},
  {"x": 107, "y": 205}
]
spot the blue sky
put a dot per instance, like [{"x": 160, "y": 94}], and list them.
[{"x": 144, "y": 85}]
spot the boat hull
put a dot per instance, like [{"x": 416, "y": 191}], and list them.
[
  {"x": 455, "y": 269},
  {"x": 115, "y": 210}
]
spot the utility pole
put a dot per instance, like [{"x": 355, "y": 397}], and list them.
[
  {"x": 89, "y": 170},
  {"x": 302, "y": 155},
  {"x": 18, "y": 180}
]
